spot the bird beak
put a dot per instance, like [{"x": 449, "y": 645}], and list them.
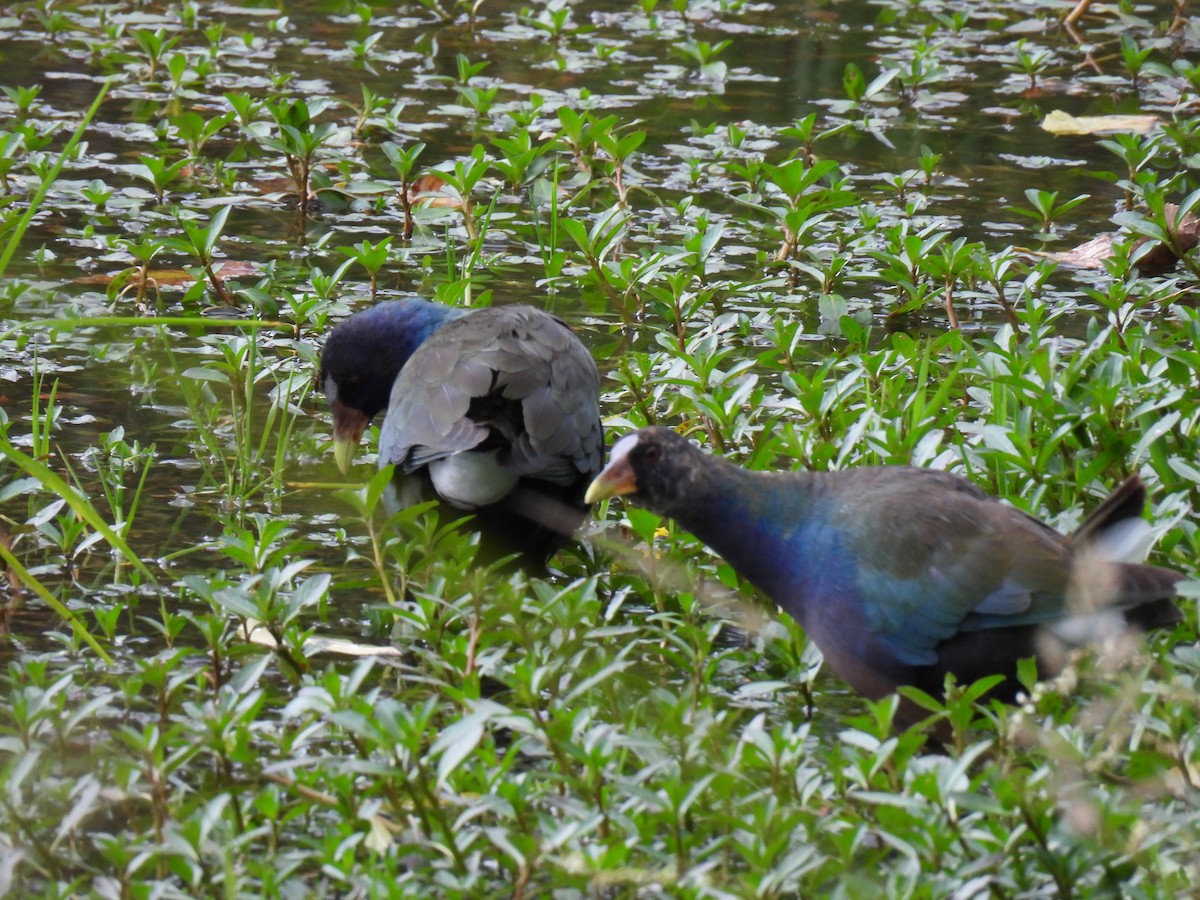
[
  {"x": 348, "y": 427},
  {"x": 617, "y": 480}
]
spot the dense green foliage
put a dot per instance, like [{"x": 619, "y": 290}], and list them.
[{"x": 780, "y": 286}]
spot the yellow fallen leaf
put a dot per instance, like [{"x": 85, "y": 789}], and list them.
[
  {"x": 256, "y": 633},
  {"x": 1059, "y": 122}
]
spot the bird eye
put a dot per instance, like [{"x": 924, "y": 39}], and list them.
[{"x": 652, "y": 454}]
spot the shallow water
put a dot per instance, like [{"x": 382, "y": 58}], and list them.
[{"x": 784, "y": 61}]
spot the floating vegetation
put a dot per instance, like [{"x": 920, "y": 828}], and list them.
[{"x": 807, "y": 236}]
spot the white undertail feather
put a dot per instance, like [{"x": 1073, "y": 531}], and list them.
[
  {"x": 471, "y": 480},
  {"x": 1126, "y": 541},
  {"x": 1095, "y": 583}
]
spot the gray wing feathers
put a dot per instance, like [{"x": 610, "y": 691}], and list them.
[{"x": 519, "y": 353}]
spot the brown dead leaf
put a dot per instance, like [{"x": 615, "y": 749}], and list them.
[
  {"x": 163, "y": 278},
  {"x": 236, "y": 268},
  {"x": 1158, "y": 260},
  {"x": 430, "y": 190},
  {"x": 1088, "y": 255},
  {"x": 275, "y": 185},
  {"x": 171, "y": 278}
]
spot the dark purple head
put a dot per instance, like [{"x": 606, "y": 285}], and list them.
[
  {"x": 654, "y": 466},
  {"x": 362, "y": 357}
]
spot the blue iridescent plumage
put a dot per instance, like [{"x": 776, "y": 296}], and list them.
[{"x": 900, "y": 574}]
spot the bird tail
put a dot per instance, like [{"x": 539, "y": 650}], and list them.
[
  {"x": 1120, "y": 509},
  {"x": 1111, "y": 590}
]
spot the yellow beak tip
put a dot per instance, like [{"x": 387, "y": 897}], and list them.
[
  {"x": 343, "y": 455},
  {"x": 618, "y": 482}
]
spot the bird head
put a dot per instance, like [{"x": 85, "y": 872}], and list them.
[
  {"x": 362, "y": 358},
  {"x": 655, "y": 466}
]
